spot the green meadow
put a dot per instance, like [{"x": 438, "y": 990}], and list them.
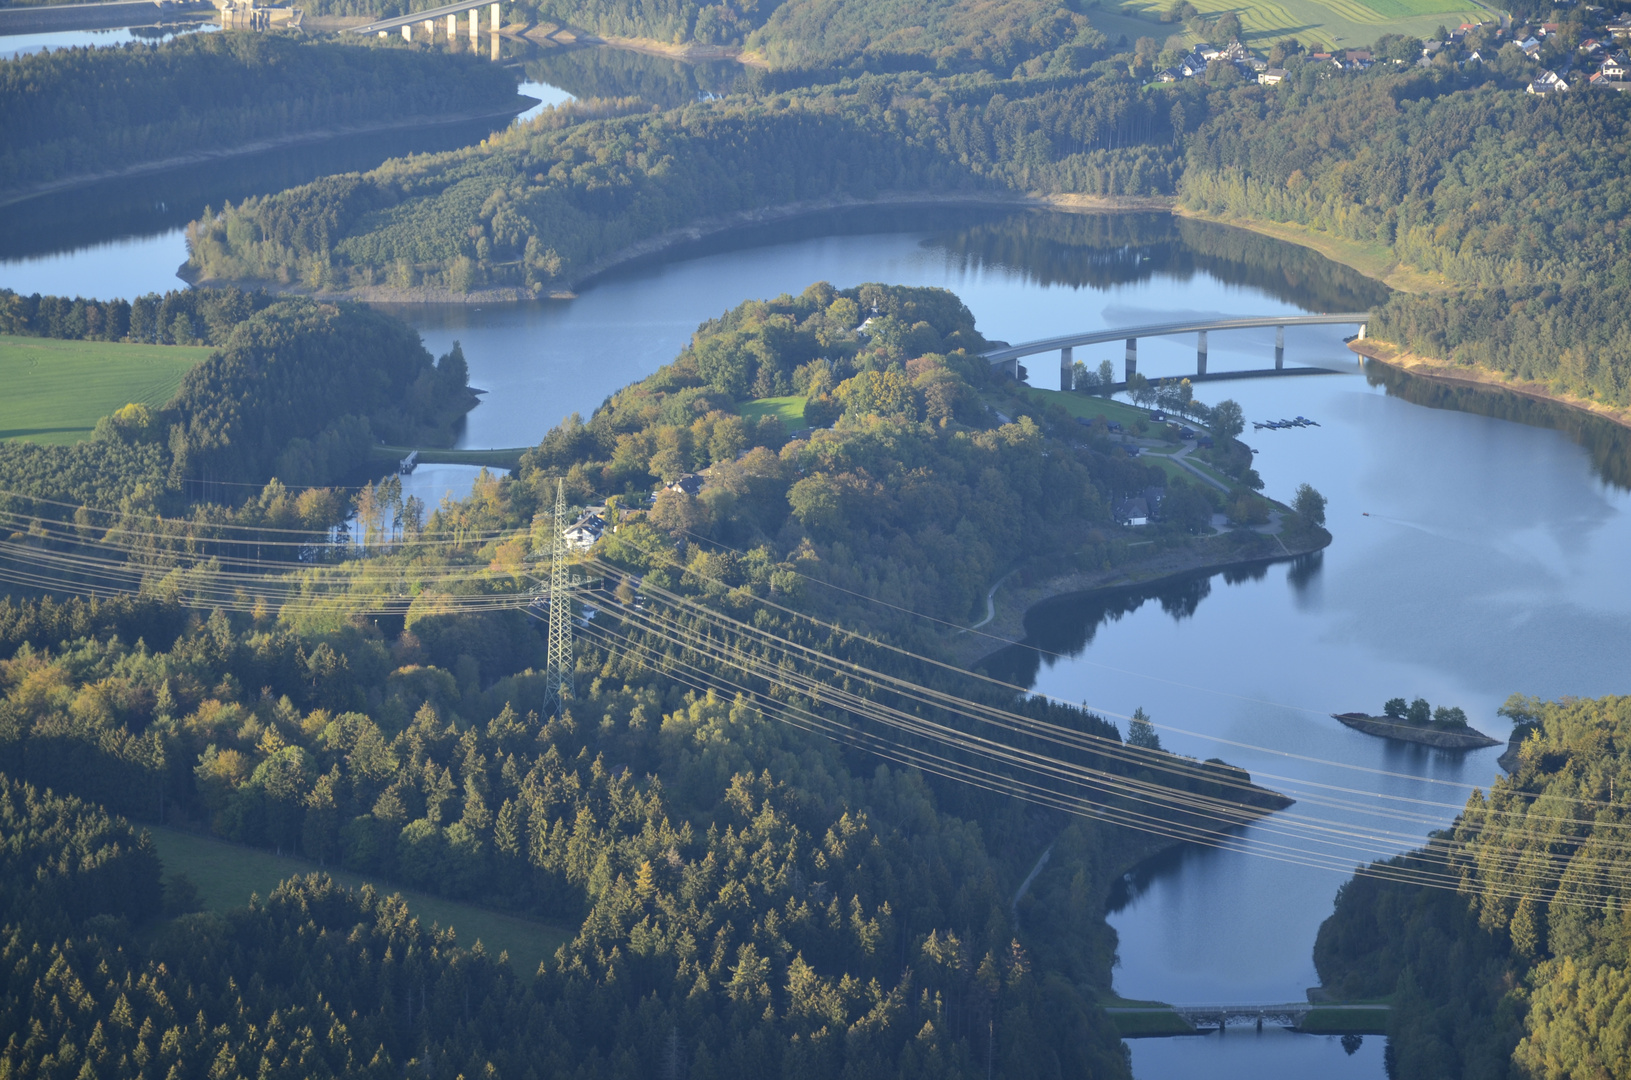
[
  {"x": 790, "y": 409},
  {"x": 1348, "y": 24},
  {"x": 1087, "y": 406},
  {"x": 227, "y": 874},
  {"x": 55, "y": 391}
]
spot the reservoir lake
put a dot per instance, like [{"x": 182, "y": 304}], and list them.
[{"x": 1479, "y": 544}]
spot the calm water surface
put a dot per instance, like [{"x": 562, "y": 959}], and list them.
[
  {"x": 1491, "y": 559},
  {"x": 22, "y": 44}
]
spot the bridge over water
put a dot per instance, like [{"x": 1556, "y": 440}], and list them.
[
  {"x": 429, "y": 17},
  {"x": 1009, "y": 355}
]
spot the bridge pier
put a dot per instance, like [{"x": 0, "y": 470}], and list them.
[
  {"x": 1362, "y": 328},
  {"x": 452, "y": 27},
  {"x": 1200, "y": 352},
  {"x": 1132, "y": 358},
  {"x": 494, "y": 10},
  {"x": 407, "y": 32},
  {"x": 1279, "y": 347},
  {"x": 1067, "y": 376},
  {"x": 475, "y": 25}
]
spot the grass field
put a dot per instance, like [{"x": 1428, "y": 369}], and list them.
[
  {"x": 1348, "y": 24},
  {"x": 226, "y": 875},
  {"x": 1155, "y": 1023},
  {"x": 1087, "y": 405},
  {"x": 790, "y": 409},
  {"x": 55, "y": 391},
  {"x": 1366, "y": 1020},
  {"x": 1146, "y": 1019}
]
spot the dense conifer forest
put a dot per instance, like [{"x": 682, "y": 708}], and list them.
[{"x": 77, "y": 112}]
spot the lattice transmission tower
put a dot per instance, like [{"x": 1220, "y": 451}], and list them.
[{"x": 558, "y": 682}]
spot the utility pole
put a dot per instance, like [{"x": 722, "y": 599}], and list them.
[{"x": 558, "y": 683}]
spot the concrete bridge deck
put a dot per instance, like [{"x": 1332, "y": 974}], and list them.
[
  {"x": 1009, "y": 355},
  {"x": 429, "y": 15}
]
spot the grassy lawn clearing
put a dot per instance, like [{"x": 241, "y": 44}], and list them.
[
  {"x": 1151, "y": 1024},
  {"x": 226, "y": 875},
  {"x": 1146, "y": 1018},
  {"x": 56, "y": 391},
  {"x": 790, "y": 409},
  {"x": 1086, "y": 405}
]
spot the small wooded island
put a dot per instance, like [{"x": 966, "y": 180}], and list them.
[{"x": 1418, "y": 722}]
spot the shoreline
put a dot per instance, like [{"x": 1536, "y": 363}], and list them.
[
  {"x": 701, "y": 230},
  {"x": 1383, "y": 352},
  {"x": 1379, "y": 265},
  {"x": 1007, "y": 628},
  {"x": 201, "y": 157}
]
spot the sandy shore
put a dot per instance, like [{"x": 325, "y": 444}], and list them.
[{"x": 1426, "y": 367}]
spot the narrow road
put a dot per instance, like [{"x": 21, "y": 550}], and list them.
[
  {"x": 990, "y": 604},
  {"x": 1192, "y": 470},
  {"x": 1026, "y": 884}
]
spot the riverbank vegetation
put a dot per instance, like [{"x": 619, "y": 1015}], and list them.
[
  {"x": 78, "y": 112},
  {"x": 1430, "y": 169},
  {"x": 1518, "y": 967}
]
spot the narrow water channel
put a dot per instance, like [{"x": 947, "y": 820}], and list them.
[{"x": 1473, "y": 557}]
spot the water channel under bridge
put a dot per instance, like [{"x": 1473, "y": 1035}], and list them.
[
  {"x": 1345, "y": 1017},
  {"x": 1009, "y": 356}
]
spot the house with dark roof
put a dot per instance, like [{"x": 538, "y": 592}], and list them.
[{"x": 689, "y": 484}]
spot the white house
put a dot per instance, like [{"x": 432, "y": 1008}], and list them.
[
  {"x": 583, "y": 533},
  {"x": 1548, "y": 83}
]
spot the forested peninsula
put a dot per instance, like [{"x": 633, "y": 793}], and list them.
[
  {"x": 67, "y": 114},
  {"x": 755, "y": 873}
]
